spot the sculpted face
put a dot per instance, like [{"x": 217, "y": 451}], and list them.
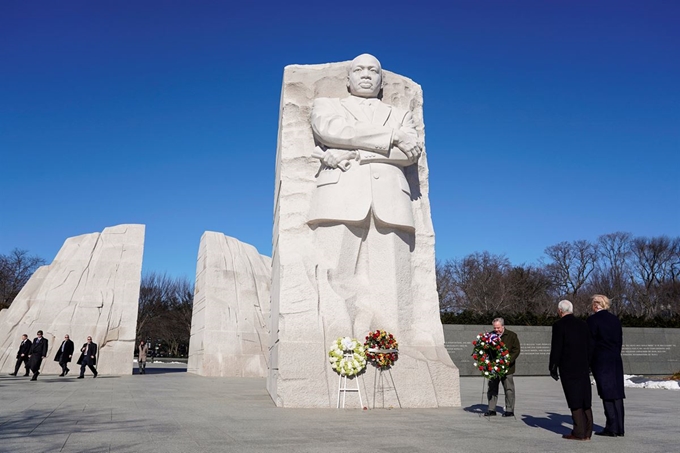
[{"x": 365, "y": 76}]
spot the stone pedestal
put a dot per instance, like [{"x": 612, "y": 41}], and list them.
[
  {"x": 304, "y": 324},
  {"x": 229, "y": 326},
  {"x": 91, "y": 288}
]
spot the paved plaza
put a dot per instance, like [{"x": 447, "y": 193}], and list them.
[{"x": 168, "y": 410}]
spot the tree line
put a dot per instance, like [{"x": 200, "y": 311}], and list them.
[{"x": 641, "y": 275}]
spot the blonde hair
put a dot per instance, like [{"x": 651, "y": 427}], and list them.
[{"x": 601, "y": 302}]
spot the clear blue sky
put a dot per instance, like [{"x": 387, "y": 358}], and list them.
[{"x": 545, "y": 121}]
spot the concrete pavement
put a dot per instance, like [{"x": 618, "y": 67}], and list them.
[{"x": 168, "y": 410}]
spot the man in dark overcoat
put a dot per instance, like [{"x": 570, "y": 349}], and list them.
[
  {"x": 606, "y": 364},
  {"x": 22, "y": 355},
  {"x": 512, "y": 343},
  {"x": 37, "y": 353},
  {"x": 570, "y": 353},
  {"x": 88, "y": 357},
  {"x": 64, "y": 355}
]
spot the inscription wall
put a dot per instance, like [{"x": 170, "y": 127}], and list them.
[{"x": 648, "y": 351}]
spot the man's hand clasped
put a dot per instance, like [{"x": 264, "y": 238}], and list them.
[{"x": 407, "y": 145}]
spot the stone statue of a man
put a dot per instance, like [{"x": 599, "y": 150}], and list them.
[{"x": 361, "y": 210}]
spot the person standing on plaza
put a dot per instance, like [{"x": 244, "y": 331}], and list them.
[
  {"x": 512, "y": 343},
  {"x": 141, "y": 358},
  {"x": 22, "y": 355},
  {"x": 607, "y": 365},
  {"x": 88, "y": 357},
  {"x": 570, "y": 353},
  {"x": 64, "y": 355},
  {"x": 37, "y": 353}
]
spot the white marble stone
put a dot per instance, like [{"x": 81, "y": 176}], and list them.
[
  {"x": 91, "y": 288},
  {"x": 229, "y": 326},
  {"x": 314, "y": 298}
]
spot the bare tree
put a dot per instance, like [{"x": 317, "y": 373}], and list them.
[
  {"x": 654, "y": 273},
  {"x": 480, "y": 283},
  {"x": 612, "y": 273},
  {"x": 16, "y": 268},
  {"x": 570, "y": 267}
]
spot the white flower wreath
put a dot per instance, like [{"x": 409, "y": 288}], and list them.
[{"x": 347, "y": 356}]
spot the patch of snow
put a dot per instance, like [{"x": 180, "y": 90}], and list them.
[{"x": 640, "y": 382}]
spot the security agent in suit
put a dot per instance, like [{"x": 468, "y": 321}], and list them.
[
  {"x": 37, "y": 353},
  {"x": 570, "y": 353},
  {"x": 361, "y": 209},
  {"x": 88, "y": 357},
  {"x": 512, "y": 343},
  {"x": 22, "y": 355},
  {"x": 607, "y": 365},
  {"x": 64, "y": 355}
]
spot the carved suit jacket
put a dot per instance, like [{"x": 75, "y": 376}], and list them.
[{"x": 376, "y": 182}]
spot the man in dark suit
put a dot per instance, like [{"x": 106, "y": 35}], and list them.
[
  {"x": 570, "y": 353},
  {"x": 37, "y": 353},
  {"x": 606, "y": 364},
  {"x": 22, "y": 355},
  {"x": 88, "y": 357},
  {"x": 64, "y": 355},
  {"x": 512, "y": 343}
]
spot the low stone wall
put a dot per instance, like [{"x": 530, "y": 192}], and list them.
[{"x": 645, "y": 350}]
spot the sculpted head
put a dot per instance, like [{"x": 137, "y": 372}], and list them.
[{"x": 365, "y": 76}]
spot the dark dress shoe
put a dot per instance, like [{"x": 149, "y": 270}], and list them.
[
  {"x": 81, "y": 377},
  {"x": 620, "y": 434},
  {"x": 62, "y": 374},
  {"x": 606, "y": 434},
  {"x": 508, "y": 414},
  {"x": 95, "y": 375},
  {"x": 34, "y": 378},
  {"x": 12, "y": 374},
  {"x": 572, "y": 437},
  {"x": 26, "y": 374},
  {"x": 490, "y": 413}
]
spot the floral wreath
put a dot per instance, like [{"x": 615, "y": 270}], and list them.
[
  {"x": 382, "y": 349},
  {"x": 347, "y": 356},
  {"x": 492, "y": 357}
]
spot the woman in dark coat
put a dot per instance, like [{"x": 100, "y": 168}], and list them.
[{"x": 606, "y": 364}]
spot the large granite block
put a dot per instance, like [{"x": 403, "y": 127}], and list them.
[
  {"x": 308, "y": 310},
  {"x": 229, "y": 326},
  {"x": 91, "y": 288}
]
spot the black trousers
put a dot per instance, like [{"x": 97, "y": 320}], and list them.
[
  {"x": 614, "y": 413},
  {"x": 64, "y": 367},
  {"x": 21, "y": 360},
  {"x": 34, "y": 363},
  {"x": 87, "y": 361}
]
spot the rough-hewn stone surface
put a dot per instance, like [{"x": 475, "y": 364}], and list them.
[
  {"x": 302, "y": 329},
  {"x": 229, "y": 326},
  {"x": 91, "y": 288}
]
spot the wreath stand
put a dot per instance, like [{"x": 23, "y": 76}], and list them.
[
  {"x": 343, "y": 390},
  {"x": 379, "y": 379}
]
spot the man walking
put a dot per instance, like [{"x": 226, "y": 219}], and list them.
[
  {"x": 88, "y": 357},
  {"x": 570, "y": 353},
  {"x": 64, "y": 355},
  {"x": 22, "y": 355},
  {"x": 37, "y": 353},
  {"x": 512, "y": 343}
]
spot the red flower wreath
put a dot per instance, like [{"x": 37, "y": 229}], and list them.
[{"x": 382, "y": 349}]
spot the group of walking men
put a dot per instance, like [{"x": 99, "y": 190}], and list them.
[
  {"x": 31, "y": 355},
  {"x": 577, "y": 348}
]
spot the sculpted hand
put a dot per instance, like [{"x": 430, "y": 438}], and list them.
[
  {"x": 335, "y": 158},
  {"x": 407, "y": 145}
]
